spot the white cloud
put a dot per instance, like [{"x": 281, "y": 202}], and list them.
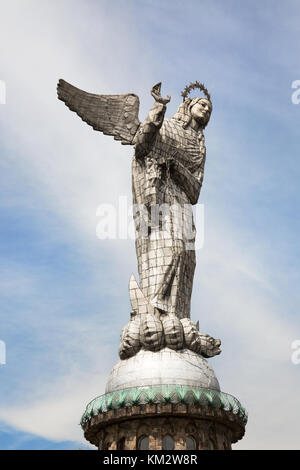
[
  {"x": 56, "y": 416},
  {"x": 72, "y": 169},
  {"x": 245, "y": 310}
]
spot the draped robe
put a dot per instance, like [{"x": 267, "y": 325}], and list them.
[{"x": 167, "y": 169}]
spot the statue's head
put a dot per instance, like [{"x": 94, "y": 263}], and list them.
[
  {"x": 198, "y": 109},
  {"x": 201, "y": 110}
]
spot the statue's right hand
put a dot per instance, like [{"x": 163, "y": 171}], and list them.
[{"x": 155, "y": 92}]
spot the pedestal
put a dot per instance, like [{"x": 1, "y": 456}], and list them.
[{"x": 164, "y": 400}]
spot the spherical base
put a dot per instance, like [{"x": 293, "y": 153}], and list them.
[{"x": 166, "y": 366}]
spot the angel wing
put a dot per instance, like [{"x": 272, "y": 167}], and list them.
[{"x": 115, "y": 115}]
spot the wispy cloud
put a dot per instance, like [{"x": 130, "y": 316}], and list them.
[{"x": 64, "y": 292}]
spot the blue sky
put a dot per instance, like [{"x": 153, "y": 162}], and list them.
[{"x": 63, "y": 292}]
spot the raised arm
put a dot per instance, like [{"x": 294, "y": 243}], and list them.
[{"x": 146, "y": 134}]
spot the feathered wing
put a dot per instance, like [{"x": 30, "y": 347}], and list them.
[{"x": 115, "y": 115}]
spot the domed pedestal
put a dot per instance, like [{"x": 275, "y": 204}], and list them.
[
  {"x": 165, "y": 367},
  {"x": 163, "y": 400}
]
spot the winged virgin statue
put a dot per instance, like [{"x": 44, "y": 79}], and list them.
[{"x": 167, "y": 175}]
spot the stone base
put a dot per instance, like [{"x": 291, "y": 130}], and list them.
[{"x": 203, "y": 428}]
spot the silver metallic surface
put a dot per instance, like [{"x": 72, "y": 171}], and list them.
[
  {"x": 167, "y": 175},
  {"x": 166, "y": 366}
]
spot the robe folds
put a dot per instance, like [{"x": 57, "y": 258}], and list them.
[{"x": 167, "y": 174}]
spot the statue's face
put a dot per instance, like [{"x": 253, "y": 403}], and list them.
[{"x": 201, "y": 111}]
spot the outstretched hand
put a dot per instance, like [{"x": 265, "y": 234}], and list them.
[{"x": 155, "y": 92}]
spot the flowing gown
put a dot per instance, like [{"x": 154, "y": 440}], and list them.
[{"x": 167, "y": 172}]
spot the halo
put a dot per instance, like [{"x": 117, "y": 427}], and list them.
[{"x": 191, "y": 87}]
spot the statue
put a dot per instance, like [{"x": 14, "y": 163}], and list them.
[{"x": 167, "y": 175}]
